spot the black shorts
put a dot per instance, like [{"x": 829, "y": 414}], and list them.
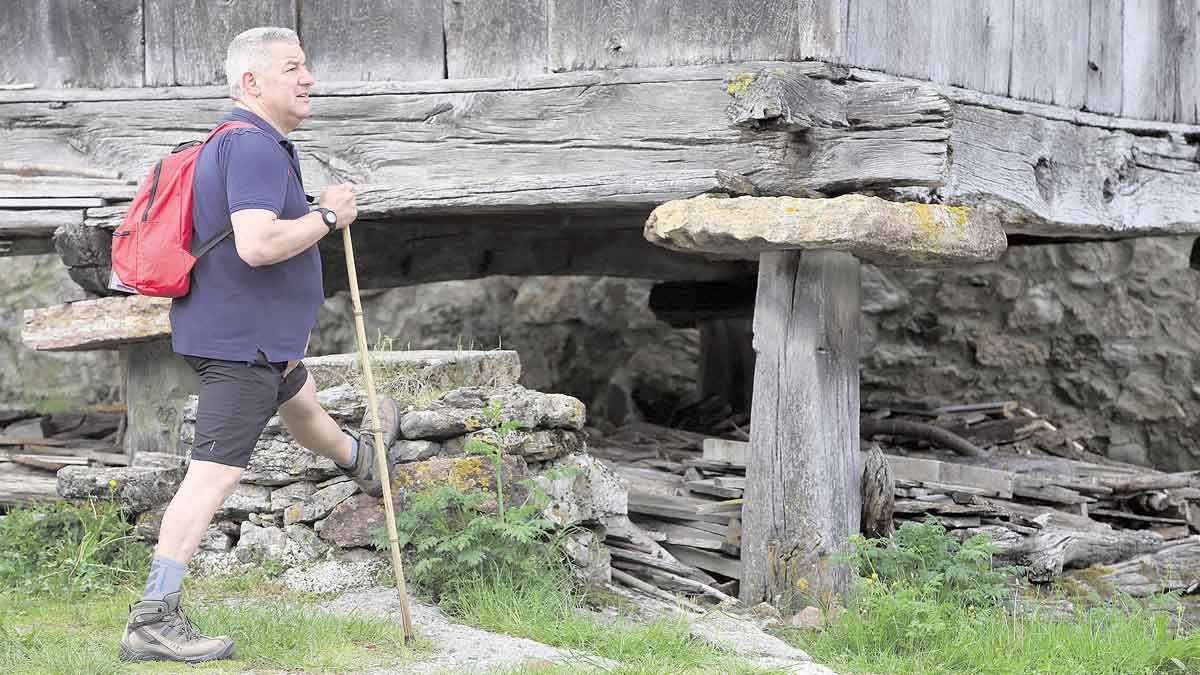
[{"x": 237, "y": 399}]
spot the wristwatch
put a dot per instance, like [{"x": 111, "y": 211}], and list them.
[{"x": 328, "y": 217}]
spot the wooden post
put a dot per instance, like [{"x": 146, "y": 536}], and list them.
[
  {"x": 802, "y": 483},
  {"x": 157, "y": 385}
]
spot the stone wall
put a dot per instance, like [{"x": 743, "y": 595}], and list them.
[
  {"x": 1101, "y": 337},
  {"x": 28, "y": 377}
]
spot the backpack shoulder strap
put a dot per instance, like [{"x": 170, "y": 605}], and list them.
[{"x": 220, "y": 236}]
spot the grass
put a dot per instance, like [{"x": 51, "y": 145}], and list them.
[
  {"x": 43, "y": 634},
  {"x": 541, "y": 610},
  {"x": 952, "y": 640}
]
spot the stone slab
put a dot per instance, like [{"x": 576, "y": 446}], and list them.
[
  {"x": 105, "y": 323},
  {"x": 897, "y": 234},
  {"x": 434, "y": 370}
]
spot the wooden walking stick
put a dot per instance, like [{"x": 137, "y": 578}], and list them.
[{"x": 381, "y": 458}]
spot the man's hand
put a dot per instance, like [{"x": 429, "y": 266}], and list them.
[{"x": 341, "y": 200}]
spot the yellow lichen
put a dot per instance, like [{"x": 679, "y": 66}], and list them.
[{"x": 739, "y": 84}]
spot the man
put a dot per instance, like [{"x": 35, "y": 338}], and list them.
[{"x": 245, "y": 324}]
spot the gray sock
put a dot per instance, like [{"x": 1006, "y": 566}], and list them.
[
  {"x": 166, "y": 577},
  {"x": 353, "y": 454}
]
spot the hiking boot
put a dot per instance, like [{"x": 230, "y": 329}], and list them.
[
  {"x": 364, "y": 472},
  {"x": 158, "y": 630}
]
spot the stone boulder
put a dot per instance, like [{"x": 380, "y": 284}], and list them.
[
  {"x": 429, "y": 370},
  {"x": 244, "y": 500},
  {"x": 293, "y": 545},
  {"x": 278, "y": 462},
  {"x": 353, "y": 522},
  {"x": 461, "y": 411},
  {"x": 283, "y": 497},
  {"x": 320, "y": 504},
  {"x": 582, "y": 490},
  {"x": 464, "y": 473},
  {"x": 403, "y": 451},
  {"x": 535, "y": 446},
  {"x": 137, "y": 489}
]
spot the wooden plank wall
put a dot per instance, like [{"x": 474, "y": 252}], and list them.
[{"x": 1137, "y": 58}]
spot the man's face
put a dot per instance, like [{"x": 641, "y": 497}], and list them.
[{"x": 284, "y": 87}]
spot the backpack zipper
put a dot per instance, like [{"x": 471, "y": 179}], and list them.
[{"x": 153, "y": 189}]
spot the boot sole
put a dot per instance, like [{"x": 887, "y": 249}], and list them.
[{"x": 128, "y": 654}]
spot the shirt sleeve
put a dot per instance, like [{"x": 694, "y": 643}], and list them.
[{"x": 257, "y": 172}]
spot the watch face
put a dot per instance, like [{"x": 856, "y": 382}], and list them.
[{"x": 330, "y": 217}]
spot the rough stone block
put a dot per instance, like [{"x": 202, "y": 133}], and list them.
[
  {"x": 244, "y": 500},
  {"x": 278, "y": 462},
  {"x": 137, "y": 489},
  {"x": 585, "y": 491},
  {"x": 283, "y": 497},
  {"x": 429, "y": 370},
  {"x": 461, "y": 411},
  {"x": 534, "y": 446},
  {"x": 403, "y": 451},
  {"x": 320, "y": 504},
  {"x": 215, "y": 539},
  {"x": 902, "y": 234},
  {"x": 463, "y": 473},
  {"x": 353, "y": 522}
]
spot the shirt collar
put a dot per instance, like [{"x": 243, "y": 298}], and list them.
[{"x": 244, "y": 115}]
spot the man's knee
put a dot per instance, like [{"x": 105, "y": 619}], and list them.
[{"x": 213, "y": 476}]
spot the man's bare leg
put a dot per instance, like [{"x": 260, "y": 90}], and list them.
[
  {"x": 202, "y": 492},
  {"x": 313, "y": 428}
]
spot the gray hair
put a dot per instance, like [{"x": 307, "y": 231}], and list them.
[{"x": 251, "y": 51}]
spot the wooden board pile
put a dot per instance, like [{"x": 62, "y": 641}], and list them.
[
  {"x": 1049, "y": 504},
  {"x": 34, "y": 447}
]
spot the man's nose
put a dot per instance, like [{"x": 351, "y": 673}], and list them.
[{"x": 306, "y": 77}]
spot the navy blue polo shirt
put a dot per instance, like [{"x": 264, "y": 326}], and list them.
[{"x": 233, "y": 310}]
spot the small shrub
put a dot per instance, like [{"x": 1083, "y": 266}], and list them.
[
  {"x": 925, "y": 557},
  {"x": 61, "y": 547},
  {"x": 453, "y": 537}
]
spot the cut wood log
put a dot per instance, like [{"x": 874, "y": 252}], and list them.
[
  {"x": 680, "y": 508},
  {"x": 1041, "y": 491},
  {"x": 652, "y": 590},
  {"x": 30, "y": 486},
  {"x": 1174, "y": 567},
  {"x": 1048, "y": 552},
  {"x": 709, "y": 486},
  {"x": 949, "y": 473},
  {"x": 708, "y": 561},
  {"x": 878, "y": 495},
  {"x": 683, "y": 535},
  {"x": 675, "y": 583},
  {"x": 679, "y": 568},
  {"x": 726, "y": 451},
  {"x": 926, "y": 432},
  {"x": 1163, "y": 481},
  {"x": 38, "y": 223},
  {"x": 48, "y": 462}
]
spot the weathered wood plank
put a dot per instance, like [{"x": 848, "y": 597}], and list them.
[
  {"x": 1049, "y": 171},
  {"x": 501, "y": 38},
  {"x": 58, "y": 188},
  {"x": 373, "y": 39},
  {"x": 1149, "y": 78},
  {"x": 971, "y": 43},
  {"x": 707, "y": 560},
  {"x": 72, "y": 44},
  {"x": 27, "y": 486},
  {"x": 1105, "y": 56},
  {"x": 37, "y": 223},
  {"x": 824, "y": 29},
  {"x": 186, "y": 41},
  {"x": 593, "y": 34},
  {"x": 1049, "y": 51},
  {"x": 803, "y": 498}
]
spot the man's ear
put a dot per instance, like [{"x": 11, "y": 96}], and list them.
[{"x": 250, "y": 82}]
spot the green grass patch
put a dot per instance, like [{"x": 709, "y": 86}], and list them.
[
  {"x": 48, "y": 635},
  {"x": 542, "y": 609},
  {"x": 897, "y": 631}
]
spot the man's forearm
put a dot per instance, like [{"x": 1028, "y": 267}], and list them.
[{"x": 287, "y": 238}]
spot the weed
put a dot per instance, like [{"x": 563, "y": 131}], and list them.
[{"x": 59, "y": 547}]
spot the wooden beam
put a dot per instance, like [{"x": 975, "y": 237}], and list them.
[
  {"x": 620, "y": 138},
  {"x": 803, "y": 497}
]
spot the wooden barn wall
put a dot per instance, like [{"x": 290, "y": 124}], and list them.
[{"x": 1137, "y": 58}]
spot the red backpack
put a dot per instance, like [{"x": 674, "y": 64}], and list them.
[{"x": 151, "y": 250}]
